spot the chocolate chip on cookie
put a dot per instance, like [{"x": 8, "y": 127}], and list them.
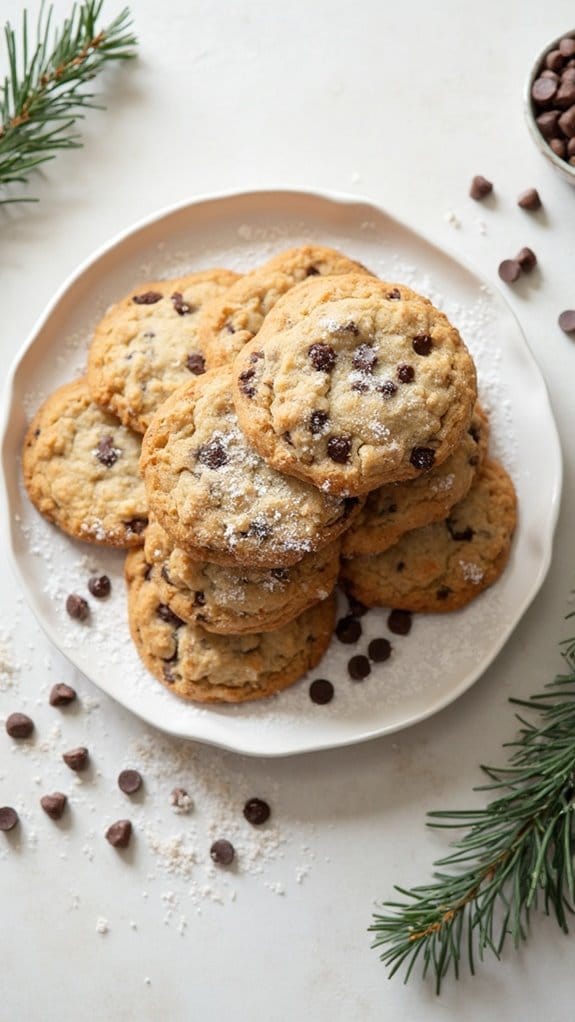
[
  {"x": 322, "y": 357},
  {"x": 148, "y": 298}
]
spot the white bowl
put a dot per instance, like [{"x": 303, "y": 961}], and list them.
[{"x": 565, "y": 169}]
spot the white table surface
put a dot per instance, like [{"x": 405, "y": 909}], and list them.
[{"x": 401, "y": 105}]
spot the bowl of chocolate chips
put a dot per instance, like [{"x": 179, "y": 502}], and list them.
[{"x": 550, "y": 104}]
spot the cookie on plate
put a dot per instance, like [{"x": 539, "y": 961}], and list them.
[
  {"x": 392, "y": 510},
  {"x": 81, "y": 470},
  {"x": 230, "y": 321},
  {"x": 349, "y": 389},
  {"x": 238, "y": 599},
  {"x": 446, "y": 565},
  {"x": 148, "y": 344},
  {"x": 214, "y": 495},
  {"x": 209, "y": 668}
]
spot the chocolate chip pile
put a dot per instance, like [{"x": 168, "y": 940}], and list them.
[
  {"x": 553, "y": 99},
  {"x": 244, "y": 606}
]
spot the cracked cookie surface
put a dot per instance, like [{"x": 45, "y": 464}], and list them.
[
  {"x": 207, "y": 668},
  {"x": 238, "y": 599},
  {"x": 81, "y": 470},
  {"x": 217, "y": 498},
  {"x": 444, "y": 566},
  {"x": 148, "y": 344},
  {"x": 230, "y": 321},
  {"x": 350, "y": 387},
  {"x": 392, "y": 510}
]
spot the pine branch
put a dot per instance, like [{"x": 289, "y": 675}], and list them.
[
  {"x": 516, "y": 852},
  {"x": 41, "y": 98}
]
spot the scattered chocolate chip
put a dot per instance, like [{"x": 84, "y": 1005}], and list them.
[
  {"x": 358, "y": 668},
  {"x": 199, "y": 598},
  {"x": 321, "y": 691},
  {"x": 19, "y": 725},
  {"x": 543, "y": 89},
  {"x": 339, "y": 449},
  {"x": 509, "y": 270},
  {"x": 222, "y": 852},
  {"x": 77, "y": 759},
  {"x": 286, "y": 437},
  {"x": 317, "y": 421},
  {"x": 147, "y": 298},
  {"x": 565, "y": 94},
  {"x": 422, "y": 458},
  {"x": 422, "y": 344},
  {"x": 256, "y": 811},
  {"x": 229, "y": 327},
  {"x": 400, "y": 566},
  {"x": 196, "y": 363},
  {"x": 8, "y": 818},
  {"x": 62, "y": 695},
  {"x": 119, "y": 833},
  {"x": 364, "y": 358},
  {"x": 213, "y": 454},
  {"x": 54, "y": 805},
  {"x": 348, "y": 629},
  {"x": 379, "y": 650},
  {"x": 99, "y": 586},
  {"x": 77, "y": 607},
  {"x": 405, "y": 373},
  {"x": 443, "y": 592},
  {"x": 245, "y": 382},
  {"x": 312, "y": 271},
  {"x": 356, "y": 608},
  {"x": 256, "y": 355},
  {"x": 480, "y": 187},
  {"x": 567, "y": 321},
  {"x": 136, "y": 526},
  {"x": 166, "y": 614},
  {"x": 526, "y": 259},
  {"x": 399, "y": 622},
  {"x": 105, "y": 451},
  {"x": 181, "y": 307},
  {"x": 529, "y": 199},
  {"x": 322, "y": 357},
  {"x": 388, "y": 388},
  {"x": 129, "y": 781},
  {"x": 394, "y": 294}
]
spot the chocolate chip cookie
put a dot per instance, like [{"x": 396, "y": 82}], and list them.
[
  {"x": 446, "y": 565},
  {"x": 392, "y": 510},
  {"x": 214, "y": 495},
  {"x": 81, "y": 471},
  {"x": 148, "y": 344},
  {"x": 207, "y": 668},
  {"x": 238, "y": 600},
  {"x": 349, "y": 388},
  {"x": 230, "y": 321}
]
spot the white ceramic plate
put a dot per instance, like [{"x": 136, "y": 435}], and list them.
[{"x": 444, "y": 654}]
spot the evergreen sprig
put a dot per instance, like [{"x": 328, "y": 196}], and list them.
[
  {"x": 516, "y": 852},
  {"x": 42, "y": 97}
]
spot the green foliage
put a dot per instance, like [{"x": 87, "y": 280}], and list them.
[
  {"x": 42, "y": 96},
  {"x": 516, "y": 853}
]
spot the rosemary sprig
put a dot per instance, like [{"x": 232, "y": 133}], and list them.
[
  {"x": 40, "y": 98},
  {"x": 516, "y": 851}
]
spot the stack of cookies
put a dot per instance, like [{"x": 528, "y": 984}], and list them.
[{"x": 302, "y": 423}]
